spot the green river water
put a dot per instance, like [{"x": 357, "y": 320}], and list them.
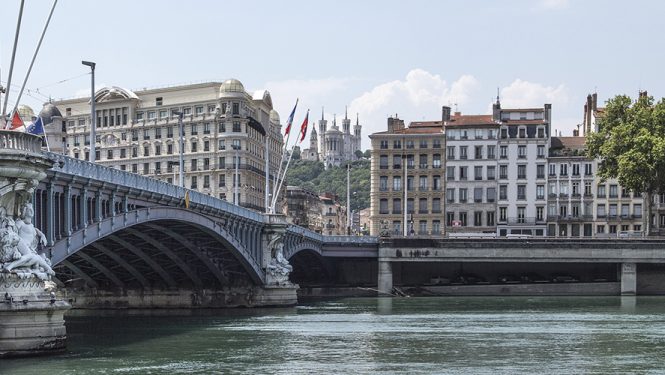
[{"x": 442, "y": 335}]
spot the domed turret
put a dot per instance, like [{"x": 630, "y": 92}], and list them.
[
  {"x": 49, "y": 112},
  {"x": 25, "y": 112},
  {"x": 231, "y": 85},
  {"x": 274, "y": 117}
]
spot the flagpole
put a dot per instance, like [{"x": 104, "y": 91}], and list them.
[
  {"x": 39, "y": 44},
  {"x": 279, "y": 170},
  {"x": 11, "y": 65},
  {"x": 302, "y": 132}
]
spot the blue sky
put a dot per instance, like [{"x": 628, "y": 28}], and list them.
[{"x": 377, "y": 57}]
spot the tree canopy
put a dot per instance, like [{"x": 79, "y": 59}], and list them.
[
  {"x": 630, "y": 145},
  {"x": 312, "y": 175}
]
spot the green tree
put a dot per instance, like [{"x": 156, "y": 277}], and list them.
[
  {"x": 359, "y": 154},
  {"x": 368, "y": 154},
  {"x": 630, "y": 145}
]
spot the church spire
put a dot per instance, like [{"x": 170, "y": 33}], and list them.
[
  {"x": 346, "y": 110},
  {"x": 357, "y": 121},
  {"x": 322, "y": 111}
]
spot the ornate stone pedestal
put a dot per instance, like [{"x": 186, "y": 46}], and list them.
[
  {"x": 278, "y": 290},
  {"x": 31, "y": 317}
]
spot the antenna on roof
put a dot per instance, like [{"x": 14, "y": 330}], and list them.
[{"x": 497, "y": 96}]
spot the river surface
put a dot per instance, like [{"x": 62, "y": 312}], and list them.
[{"x": 434, "y": 335}]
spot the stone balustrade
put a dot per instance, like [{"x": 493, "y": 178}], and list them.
[{"x": 19, "y": 141}]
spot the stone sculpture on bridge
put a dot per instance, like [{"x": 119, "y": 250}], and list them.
[
  {"x": 279, "y": 267},
  {"x": 20, "y": 240}
]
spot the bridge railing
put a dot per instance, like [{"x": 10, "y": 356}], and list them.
[
  {"x": 83, "y": 168},
  {"x": 19, "y": 141},
  {"x": 332, "y": 239}
]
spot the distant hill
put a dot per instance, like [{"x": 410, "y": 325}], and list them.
[{"x": 313, "y": 176}]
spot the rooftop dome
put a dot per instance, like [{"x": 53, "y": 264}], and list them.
[
  {"x": 26, "y": 112},
  {"x": 232, "y": 85},
  {"x": 48, "y": 112},
  {"x": 274, "y": 116}
]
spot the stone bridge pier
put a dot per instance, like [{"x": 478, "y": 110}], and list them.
[{"x": 31, "y": 315}]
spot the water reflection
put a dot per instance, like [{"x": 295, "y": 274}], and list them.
[{"x": 474, "y": 335}]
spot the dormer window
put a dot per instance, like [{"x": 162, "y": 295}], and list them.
[{"x": 158, "y": 101}]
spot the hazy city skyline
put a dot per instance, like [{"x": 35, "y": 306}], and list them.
[{"x": 379, "y": 58}]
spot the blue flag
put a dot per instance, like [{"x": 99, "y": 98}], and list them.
[{"x": 37, "y": 128}]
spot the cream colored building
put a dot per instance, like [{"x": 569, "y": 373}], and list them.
[
  {"x": 137, "y": 131},
  {"x": 407, "y": 179}
]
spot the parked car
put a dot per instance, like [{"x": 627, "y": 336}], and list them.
[
  {"x": 564, "y": 278},
  {"x": 532, "y": 277}
]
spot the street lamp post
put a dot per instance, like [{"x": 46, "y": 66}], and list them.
[
  {"x": 236, "y": 183},
  {"x": 93, "y": 117},
  {"x": 181, "y": 159}
]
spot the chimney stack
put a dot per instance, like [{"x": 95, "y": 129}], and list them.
[{"x": 445, "y": 113}]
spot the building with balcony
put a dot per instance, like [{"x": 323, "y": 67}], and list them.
[
  {"x": 523, "y": 142},
  {"x": 407, "y": 179},
  {"x": 471, "y": 173},
  {"x": 226, "y": 131}
]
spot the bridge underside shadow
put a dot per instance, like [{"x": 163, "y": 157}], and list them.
[
  {"x": 156, "y": 255},
  {"x": 310, "y": 268}
]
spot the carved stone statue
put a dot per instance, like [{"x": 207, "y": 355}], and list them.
[
  {"x": 279, "y": 267},
  {"x": 20, "y": 240}
]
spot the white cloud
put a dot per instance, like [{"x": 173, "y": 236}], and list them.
[
  {"x": 309, "y": 92},
  {"x": 419, "y": 96},
  {"x": 525, "y": 94},
  {"x": 553, "y": 4}
]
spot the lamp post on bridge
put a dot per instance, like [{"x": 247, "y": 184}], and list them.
[
  {"x": 93, "y": 117},
  {"x": 181, "y": 161}
]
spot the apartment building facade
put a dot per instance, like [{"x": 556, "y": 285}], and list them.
[
  {"x": 226, "y": 132},
  {"x": 407, "y": 179}
]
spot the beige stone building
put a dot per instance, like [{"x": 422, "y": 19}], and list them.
[
  {"x": 407, "y": 179},
  {"x": 226, "y": 130}
]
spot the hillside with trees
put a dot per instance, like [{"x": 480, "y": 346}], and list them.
[{"x": 313, "y": 176}]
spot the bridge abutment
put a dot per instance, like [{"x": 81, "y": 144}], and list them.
[{"x": 628, "y": 279}]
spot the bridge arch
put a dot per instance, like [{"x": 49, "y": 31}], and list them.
[{"x": 148, "y": 246}]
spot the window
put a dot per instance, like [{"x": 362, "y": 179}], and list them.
[
  {"x": 146, "y": 150},
  {"x": 541, "y": 131},
  {"x": 135, "y": 152},
  {"x": 450, "y": 195},
  {"x": 195, "y": 129},
  {"x": 139, "y": 116},
  {"x": 625, "y": 211},
  {"x": 563, "y": 169},
  {"x": 397, "y": 206},
  {"x": 169, "y": 149},
  {"x": 463, "y": 174},
  {"x": 450, "y": 173},
  {"x": 540, "y": 191},
  {"x": 613, "y": 210},
  {"x": 491, "y": 172},
  {"x": 163, "y": 114},
  {"x": 194, "y": 147},
  {"x": 552, "y": 170},
  {"x": 206, "y": 145},
  {"x": 135, "y": 168},
  {"x": 422, "y": 206},
  {"x": 222, "y": 144},
  {"x": 521, "y": 171},
  {"x": 436, "y": 161},
  {"x": 436, "y": 227},
  {"x": 490, "y": 218},
  {"x": 397, "y": 144},
  {"x": 503, "y": 152},
  {"x": 235, "y": 109},
  {"x": 463, "y": 152},
  {"x": 503, "y": 171},
  {"x": 222, "y": 180},
  {"x": 422, "y": 183},
  {"x": 146, "y": 134},
  {"x": 409, "y": 183},
  {"x": 151, "y": 115},
  {"x": 503, "y": 213},
  {"x": 158, "y": 167},
  {"x": 601, "y": 191},
  {"x": 397, "y": 183},
  {"x": 222, "y": 127},
  {"x": 637, "y": 210},
  {"x": 236, "y": 127},
  {"x": 158, "y": 100},
  {"x": 478, "y": 152},
  {"x": 384, "y": 145},
  {"x": 463, "y": 195},
  {"x": 539, "y": 213},
  {"x": 123, "y": 153},
  {"x": 397, "y": 161},
  {"x": 450, "y": 217},
  {"x": 478, "y": 195},
  {"x": 491, "y": 194},
  {"x": 462, "y": 219},
  {"x": 588, "y": 169},
  {"x": 613, "y": 229},
  {"x": 146, "y": 168},
  {"x": 383, "y": 183},
  {"x": 540, "y": 151},
  {"x": 521, "y": 192},
  {"x": 383, "y": 206},
  {"x": 169, "y": 132},
  {"x": 206, "y": 164},
  {"x": 436, "y": 205},
  {"x": 158, "y": 150},
  {"x": 613, "y": 191},
  {"x": 521, "y": 151},
  {"x": 409, "y": 144},
  {"x": 491, "y": 151},
  {"x": 211, "y": 108},
  {"x": 478, "y": 172},
  {"x": 450, "y": 152},
  {"x": 436, "y": 143},
  {"x": 520, "y": 215},
  {"x": 600, "y": 211},
  {"x": 436, "y": 183},
  {"x": 383, "y": 162},
  {"x": 198, "y": 111},
  {"x": 423, "y": 143},
  {"x": 206, "y": 126},
  {"x": 109, "y": 154},
  {"x": 423, "y": 161},
  {"x": 576, "y": 188},
  {"x": 522, "y": 132},
  {"x": 503, "y": 192},
  {"x": 478, "y": 218},
  {"x": 194, "y": 184}
]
